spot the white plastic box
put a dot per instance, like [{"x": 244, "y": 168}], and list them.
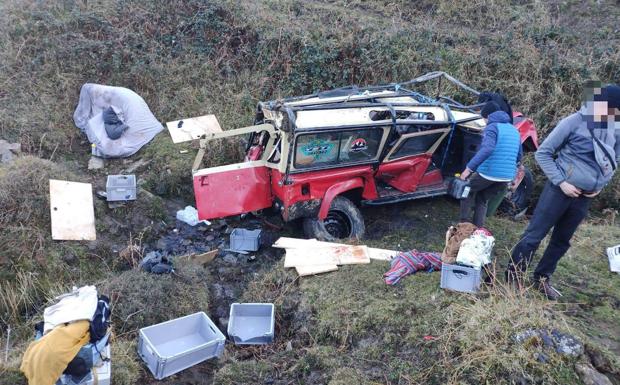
[
  {"x": 245, "y": 240},
  {"x": 460, "y": 278},
  {"x": 171, "y": 346},
  {"x": 251, "y": 323},
  {"x": 120, "y": 188}
]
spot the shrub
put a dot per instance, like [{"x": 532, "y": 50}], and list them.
[{"x": 141, "y": 299}]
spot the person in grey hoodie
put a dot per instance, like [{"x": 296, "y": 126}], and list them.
[{"x": 579, "y": 157}]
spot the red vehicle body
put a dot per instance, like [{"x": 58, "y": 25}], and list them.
[{"x": 311, "y": 162}]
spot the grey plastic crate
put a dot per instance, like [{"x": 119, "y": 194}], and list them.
[
  {"x": 121, "y": 188},
  {"x": 460, "y": 278},
  {"x": 245, "y": 240},
  {"x": 251, "y": 323},
  {"x": 171, "y": 346}
]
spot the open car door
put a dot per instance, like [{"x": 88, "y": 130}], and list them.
[{"x": 232, "y": 189}]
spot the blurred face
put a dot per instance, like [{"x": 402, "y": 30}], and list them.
[{"x": 600, "y": 111}]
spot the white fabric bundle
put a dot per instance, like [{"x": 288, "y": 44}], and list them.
[
  {"x": 475, "y": 251},
  {"x": 80, "y": 304}
]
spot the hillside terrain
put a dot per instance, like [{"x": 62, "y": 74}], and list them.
[{"x": 191, "y": 58}]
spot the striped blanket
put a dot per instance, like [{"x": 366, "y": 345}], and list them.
[{"x": 408, "y": 262}]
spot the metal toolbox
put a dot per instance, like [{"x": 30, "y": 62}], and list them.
[
  {"x": 245, "y": 240},
  {"x": 120, "y": 188},
  {"x": 251, "y": 323},
  {"x": 460, "y": 278},
  {"x": 171, "y": 346}
]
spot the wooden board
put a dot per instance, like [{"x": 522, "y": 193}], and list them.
[
  {"x": 314, "y": 269},
  {"x": 193, "y": 128},
  {"x": 381, "y": 254},
  {"x": 200, "y": 259},
  {"x": 292, "y": 243},
  {"x": 349, "y": 255},
  {"x": 72, "y": 211},
  {"x": 305, "y": 257}
]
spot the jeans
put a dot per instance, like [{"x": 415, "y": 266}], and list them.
[
  {"x": 481, "y": 191},
  {"x": 557, "y": 210}
]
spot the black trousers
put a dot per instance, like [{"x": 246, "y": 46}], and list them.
[
  {"x": 481, "y": 191},
  {"x": 557, "y": 210}
]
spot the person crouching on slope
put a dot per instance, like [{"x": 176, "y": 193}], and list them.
[
  {"x": 579, "y": 157},
  {"x": 493, "y": 166}
]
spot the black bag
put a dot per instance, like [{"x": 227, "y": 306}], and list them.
[
  {"x": 101, "y": 320},
  {"x": 459, "y": 188}
]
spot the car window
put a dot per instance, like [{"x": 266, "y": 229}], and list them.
[
  {"x": 416, "y": 145},
  {"x": 314, "y": 150},
  {"x": 359, "y": 145}
]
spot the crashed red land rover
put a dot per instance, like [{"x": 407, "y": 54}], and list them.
[{"x": 321, "y": 157}]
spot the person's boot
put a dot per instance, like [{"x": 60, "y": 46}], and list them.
[{"x": 544, "y": 286}]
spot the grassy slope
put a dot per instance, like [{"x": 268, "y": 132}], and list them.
[{"x": 190, "y": 58}]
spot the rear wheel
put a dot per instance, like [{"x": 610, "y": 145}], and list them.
[{"x": 344, "y": 220}]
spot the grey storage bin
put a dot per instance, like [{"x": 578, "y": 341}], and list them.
[
  {"x": 251, "y": 323},
  {"x": 171, "y": 346},
  {"x": 120, "y": 188},
  {"x": 245, "y": 240},
  {"x": 460, "y": 278}
]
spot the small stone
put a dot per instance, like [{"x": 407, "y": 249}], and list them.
[
  {"x": 186, "y": 242},
  {"x": 8, "y": 151},
  {"x": 92, "y": 245},
  {"x": 289, "y": 346},
  {"x": 96, "y": 163},
  {"x": 210, "y": 238},
  {"x": 591, "y": 376},
  {"x": 230, "y": 259}
]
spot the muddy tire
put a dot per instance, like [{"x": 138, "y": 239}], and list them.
[{"x": 344, "y": 220}]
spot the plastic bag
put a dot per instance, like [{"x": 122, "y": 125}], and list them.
[
  {"x": 475, "y": 251},
  {"x": 189, "y": 215}
]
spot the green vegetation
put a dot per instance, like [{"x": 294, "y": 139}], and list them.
[{"x": 190, "y": 58}]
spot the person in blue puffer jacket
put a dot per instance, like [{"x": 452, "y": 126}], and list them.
[{"x": 493, "y": 166}]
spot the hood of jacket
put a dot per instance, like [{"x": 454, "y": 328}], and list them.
[{"x": 498, "y": 117}]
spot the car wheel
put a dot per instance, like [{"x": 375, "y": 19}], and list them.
[
  {"x": 344, "y": 220},
  {"x": 516, "y": 203}
]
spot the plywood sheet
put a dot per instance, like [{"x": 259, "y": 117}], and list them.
[
  {"x": 349, "y": 255},
  {"x": 309, "y": 257},
  {"x": 193, "y": 128},
  {"x": 314, "y": 269},
  {"x": 381, "y": 254},
  {"x": 72, "y": 211}
]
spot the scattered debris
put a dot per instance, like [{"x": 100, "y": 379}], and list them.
[
  {"x": 614, "y": 258},
  {"x": 193, "y": 128},
  {"x": 189, "y": 215},
  {"x": 8, "y": 151},
  {"x": 175, "y": 345},
  {"x": 156, "y": 263},
  {"x": 200, "y": 259},
  {"x": 591, "y": 376},
  {"x": 72, "y": 211},
  {"x": 96, "y": 163},
  {"x": 251, "y": 323},
  {"x": 120, "y": 188},
  {"x": 561, "y": 343}
]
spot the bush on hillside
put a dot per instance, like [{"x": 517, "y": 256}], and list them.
[{"x": 142, "y": 299}]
